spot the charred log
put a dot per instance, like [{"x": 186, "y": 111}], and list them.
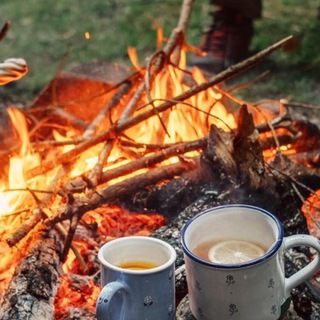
[
  {"x": 35, "y": 282},
  {"x": 241, "y": 177}
]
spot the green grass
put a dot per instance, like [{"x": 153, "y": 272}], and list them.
[{"x": 42, "y": 31}]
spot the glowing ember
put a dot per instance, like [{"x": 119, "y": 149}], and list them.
[
  {"x": 112, "y": 222},
  {"x": 20, "y": 195},
  {"x": 311, "y": 211},
  {"x": 187, "y": 121}
]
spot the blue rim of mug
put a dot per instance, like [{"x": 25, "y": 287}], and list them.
[
  {"x": 274, "y": 248},
  {"x": 169, "y": 263}
]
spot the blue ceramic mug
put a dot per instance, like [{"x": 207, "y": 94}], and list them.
[{"x": 137, "y": 278}]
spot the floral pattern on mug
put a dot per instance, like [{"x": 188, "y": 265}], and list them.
[
  {"x": 274, "y": 309},
  {"x": 200, "y": 312},
  {"x": 271, "y": 283},
  {"x": 148, "y": 301},
  {"x": 198, "y": 286},
  {"x": 232, "y": 309},
  {"x": 229, "y": 279},
  {"x": 170, "y": 275}
]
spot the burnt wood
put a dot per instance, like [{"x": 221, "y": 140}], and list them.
[{"x": 35, "y": 282}]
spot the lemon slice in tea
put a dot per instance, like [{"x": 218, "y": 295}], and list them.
[{"x": 234, "y": 251}]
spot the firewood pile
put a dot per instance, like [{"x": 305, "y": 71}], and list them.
[{"x": 107, "y": 153}]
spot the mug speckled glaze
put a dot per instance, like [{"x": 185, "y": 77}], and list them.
[
  {"x": 254, "y": 290},
  {"x": 136, "y": 294}
]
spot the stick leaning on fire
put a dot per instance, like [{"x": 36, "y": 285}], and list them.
[
  {"x": 74, "y": 213},
  {"x": 13, "y": 69},
  {"x": 17, "y": 68}
]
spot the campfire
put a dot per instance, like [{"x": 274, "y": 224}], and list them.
[{"x": 93, "y": 160}]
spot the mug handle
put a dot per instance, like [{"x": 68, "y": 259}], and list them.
[
  {"x": 309, "y": 270},
  {"x": 103, "y": 305}
]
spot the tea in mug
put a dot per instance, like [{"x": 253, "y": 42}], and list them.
[
  {"x": 137, "y": 265},
  {"x": 229, "y": 251}
]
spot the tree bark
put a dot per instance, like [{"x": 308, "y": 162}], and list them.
[{"x": 34, "y": 285}]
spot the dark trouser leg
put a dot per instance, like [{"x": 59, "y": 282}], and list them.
[
  {"x": 250, "y": 9},
  {"x": 228, "y": 39}
]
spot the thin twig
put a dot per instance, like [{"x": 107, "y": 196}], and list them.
[
  {"x": 148, "y": 79},
  {"x": 300, "y": 105},
  {"x": 167, "y": 50},
  {"x": 4, "y": 30},
  {"x": 145, "y": 162},
  {"x": 122, "y": 189},
  {"x": 249, "y": 84},
  {"x": 68, "y": 241},
  {"x": 96, "y": 173},
  {"x": 77, "y": 254},
  {"x": 66, "y": 117},
  {"x": 49, "y": 144},
  {"x": 128, "y": 123},
  {"x": 64, "y": 233},
  {"x": 124, "y": 89}
]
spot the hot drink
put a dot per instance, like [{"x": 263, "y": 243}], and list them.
[
  {"x": 240, "y": 273},
  {"x": 138, "y": 265},
  {"x": 229, "y": 251},
  {"x": 137, "y": 278}
]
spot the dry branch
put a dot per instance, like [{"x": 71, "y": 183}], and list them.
[
  {"x": 128, "y": 123},
  {"x": 36, "y": 215},
  {"x": 158, "y": 65},
  {"x": 96, "y": 173},
  {"x": 115, "y": 192},
  {"x": 68, "y": 118},
  {"x": 49, "y": 144},
  {"x": 152, "y": 160},
  {"x": 28, "y": 225},
  {"x": 124, "y": 89},
  {"x": 35, "y": 282}
]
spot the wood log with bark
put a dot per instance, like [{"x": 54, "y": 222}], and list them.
[
  {"x": 36, "y": 280},
  {"x": 231, "y": 168}
]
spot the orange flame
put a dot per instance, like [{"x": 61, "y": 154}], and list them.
[
  {"x": 133, "y": 57},
  {"x": 18, "y": 165},
  {"x": 186, "y": 121},
  {"x": 189, "y": 120}
]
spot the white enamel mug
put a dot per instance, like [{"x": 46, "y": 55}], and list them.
[{"x": 253, "y": 290}]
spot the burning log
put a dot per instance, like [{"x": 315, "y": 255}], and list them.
[
  {"x": 241, "y": 168},
  {"x": 117, "y": 129},
  {"x": 235, "y": 179},
  {"x": 36, "y": 280},
  {"x": 122, "y": 189},
  {"x": 222, "y": 163}
]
